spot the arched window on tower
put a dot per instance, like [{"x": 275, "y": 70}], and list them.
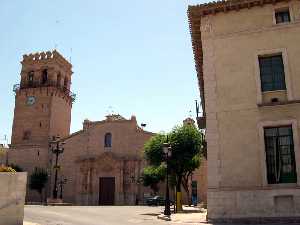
[
  {"x": 30, "y": 79},
  {"x": 66, "y": 83},
  {"x": 44, "y": 76},
  {"x": 58, "y": 80},
  {"x": 107, "y": 140}
]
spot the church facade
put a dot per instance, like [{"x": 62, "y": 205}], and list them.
[{"x": 103, "y": 163}]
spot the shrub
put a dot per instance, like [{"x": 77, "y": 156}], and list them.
[
  {"x": 16, "y": 167},
  {"x": 6, "y": 169}
]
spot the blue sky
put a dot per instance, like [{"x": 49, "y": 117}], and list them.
[{"x": 134, "y": 56}]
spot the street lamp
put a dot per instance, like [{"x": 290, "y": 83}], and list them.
[
  {"x": 57, "y": 149},
  {"x": 168, "y": 153}
]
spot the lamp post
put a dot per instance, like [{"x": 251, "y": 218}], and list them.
[
  {"x": 57, "y": 149},
  {"x": 168, "y": 153}
]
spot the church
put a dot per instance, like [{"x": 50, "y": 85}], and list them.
[{"x": 100, "y": 165}]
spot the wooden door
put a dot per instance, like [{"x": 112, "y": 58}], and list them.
[{"x": 106, "y": 191}]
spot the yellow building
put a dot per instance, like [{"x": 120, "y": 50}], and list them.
[{"x": 247, "y": 56}]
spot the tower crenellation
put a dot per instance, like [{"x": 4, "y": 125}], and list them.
[{"x": 48, "y": 56}]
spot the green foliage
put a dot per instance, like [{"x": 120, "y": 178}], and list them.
[
  {"x": 38, "y": 179},
  {"x": 153, "y": 151},
  {"x": 6, "y": 169},
  {"x": 187, "y": 145},
  {"x": 152, "y": 175},
  {"x": 16, "y": 167},
  {"x": 186, "y": 141}
]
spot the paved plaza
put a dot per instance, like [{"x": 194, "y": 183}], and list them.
[
  {"x": 92, "y": 215},
  {"x": 106, "y": 215}
]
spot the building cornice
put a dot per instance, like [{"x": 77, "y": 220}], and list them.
[
  {"x": 229, "y": 5},
  {"x": 195, "y": 31}
]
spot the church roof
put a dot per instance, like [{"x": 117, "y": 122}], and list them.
[{"x": 109, "y": 118}]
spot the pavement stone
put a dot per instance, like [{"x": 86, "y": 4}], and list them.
[
  {"x": 29, "y": 223},
  {"x": 189, "y": 218}
]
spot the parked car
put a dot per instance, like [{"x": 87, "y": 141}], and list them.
[{"x": 157, "y": 200}]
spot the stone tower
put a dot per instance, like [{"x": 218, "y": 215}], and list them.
[
  {"x": 43, "y": 105},
  {"x": 43, "y": 100}
]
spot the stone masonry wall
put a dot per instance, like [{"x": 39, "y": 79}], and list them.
[{"x": 237, "y": 183}]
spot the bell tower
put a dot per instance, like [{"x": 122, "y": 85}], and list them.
[{"x": 43, "y": 99}]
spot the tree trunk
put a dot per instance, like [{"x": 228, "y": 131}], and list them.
[{"x": 186, "y": 186}]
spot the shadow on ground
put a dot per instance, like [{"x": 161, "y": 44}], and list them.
[{"x": 150, "y": 214}]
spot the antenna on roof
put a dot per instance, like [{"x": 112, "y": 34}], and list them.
[{"x": 71, "y": 55}]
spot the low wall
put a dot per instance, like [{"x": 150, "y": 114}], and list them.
[
  {"x": 12, "y": 198},
  {"x": 263, "y": 203}
]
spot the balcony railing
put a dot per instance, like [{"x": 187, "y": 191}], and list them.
[{"x": 18, "y": 87}]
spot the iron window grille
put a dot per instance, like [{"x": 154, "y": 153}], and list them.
[
  {"x": 282, "y": 16},
  {"x": 107, "y": 140},
  {"x": 280, "y": 156},
  {"x": 272, "y": 73}
]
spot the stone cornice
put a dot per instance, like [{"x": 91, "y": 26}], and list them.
[
  {"x": 229, "y": 5},
  {"x": 195, "y": 31}
]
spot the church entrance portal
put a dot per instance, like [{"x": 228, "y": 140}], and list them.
[{"x": 106, "y": 191}]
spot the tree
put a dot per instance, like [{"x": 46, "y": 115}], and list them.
[
  {"x": 153, "y": 151},
  {"x": 38, "y": 180},
  {"x": 186, "y": 143},
  {"x": 152, "y": 175}
]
